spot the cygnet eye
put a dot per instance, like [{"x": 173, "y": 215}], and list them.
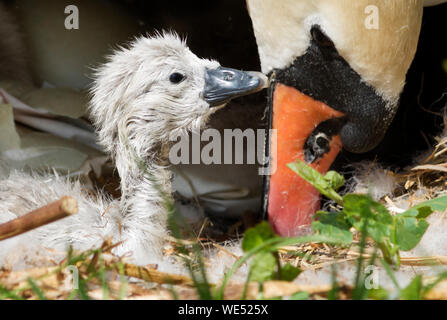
[{"x": 176, "y": 77}]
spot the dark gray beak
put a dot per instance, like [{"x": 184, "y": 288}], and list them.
[{"x": 224, "y": 84}]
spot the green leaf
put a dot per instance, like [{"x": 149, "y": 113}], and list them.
[
  {"x": 299, "y": 296},
  {"x": 360, "y": 207},
  {"x": 36, "y": 289},
  {"x": 325, "y": 238},
  {"x": 8, "y": 294},
  {"x": 322, "y": 235},
  {"x": 409, "y": 232},
  {"x": 289, "y": 272},
  {"x": 336, "y": 219},
  {"x": 410, "y": 226},
  {"x": 378, "y": 294},
  {"x": 424, "y": 209},
  {"x": 257, "y": 235},
  {"x": 413, "y": 291},
  {"x": 424, "y": 212},
  {"x": 332, "y": 232},
  {"x": 263, "y": 267},
  {"x": 336, "y": 180},
  {"x": 316, "y": 179}
]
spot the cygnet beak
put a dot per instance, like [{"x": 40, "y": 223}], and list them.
[{"x": 224, "y": 84}]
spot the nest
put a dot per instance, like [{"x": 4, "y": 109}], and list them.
[{"x": 104, "y": 275}]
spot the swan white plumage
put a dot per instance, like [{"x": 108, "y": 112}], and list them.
[{"x": 142, "y": 97}]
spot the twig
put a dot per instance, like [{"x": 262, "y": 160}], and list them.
[
  {"x": 412, "y": 261},
  {"x": 152, "y": 275},
  {"x": 65, "y": 207},
  {"x": 228, "y": 252}
]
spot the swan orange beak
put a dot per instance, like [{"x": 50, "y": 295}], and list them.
[{"x": 297, "y": 119}]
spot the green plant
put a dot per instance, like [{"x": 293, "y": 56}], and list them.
[
  {"x": 261, "y": 244},
  {"x": 391, "y": 233}
]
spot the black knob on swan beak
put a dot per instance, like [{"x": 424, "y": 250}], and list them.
[{"x": 224, "y": 84}]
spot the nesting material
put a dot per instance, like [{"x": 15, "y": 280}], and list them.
[
  {"x": 397, "y": 191},
  {"x": 370, "y": 178}
]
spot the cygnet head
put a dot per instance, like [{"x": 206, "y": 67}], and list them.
[{"x": 157, "y": 88}]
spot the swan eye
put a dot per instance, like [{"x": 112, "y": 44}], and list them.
[
  {"x": 319, "y": 37},
  {"x": 176, "y": 77}
]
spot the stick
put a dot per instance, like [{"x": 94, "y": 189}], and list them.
[
  {"x": 65, "y": 207},
  {"x": 412, "y": 261},
  {"x": 155, "y": 276}
]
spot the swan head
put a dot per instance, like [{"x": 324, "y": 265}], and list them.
[
  {"x": 156, "y": 89},
  {"x": 339, "y": 68}
]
